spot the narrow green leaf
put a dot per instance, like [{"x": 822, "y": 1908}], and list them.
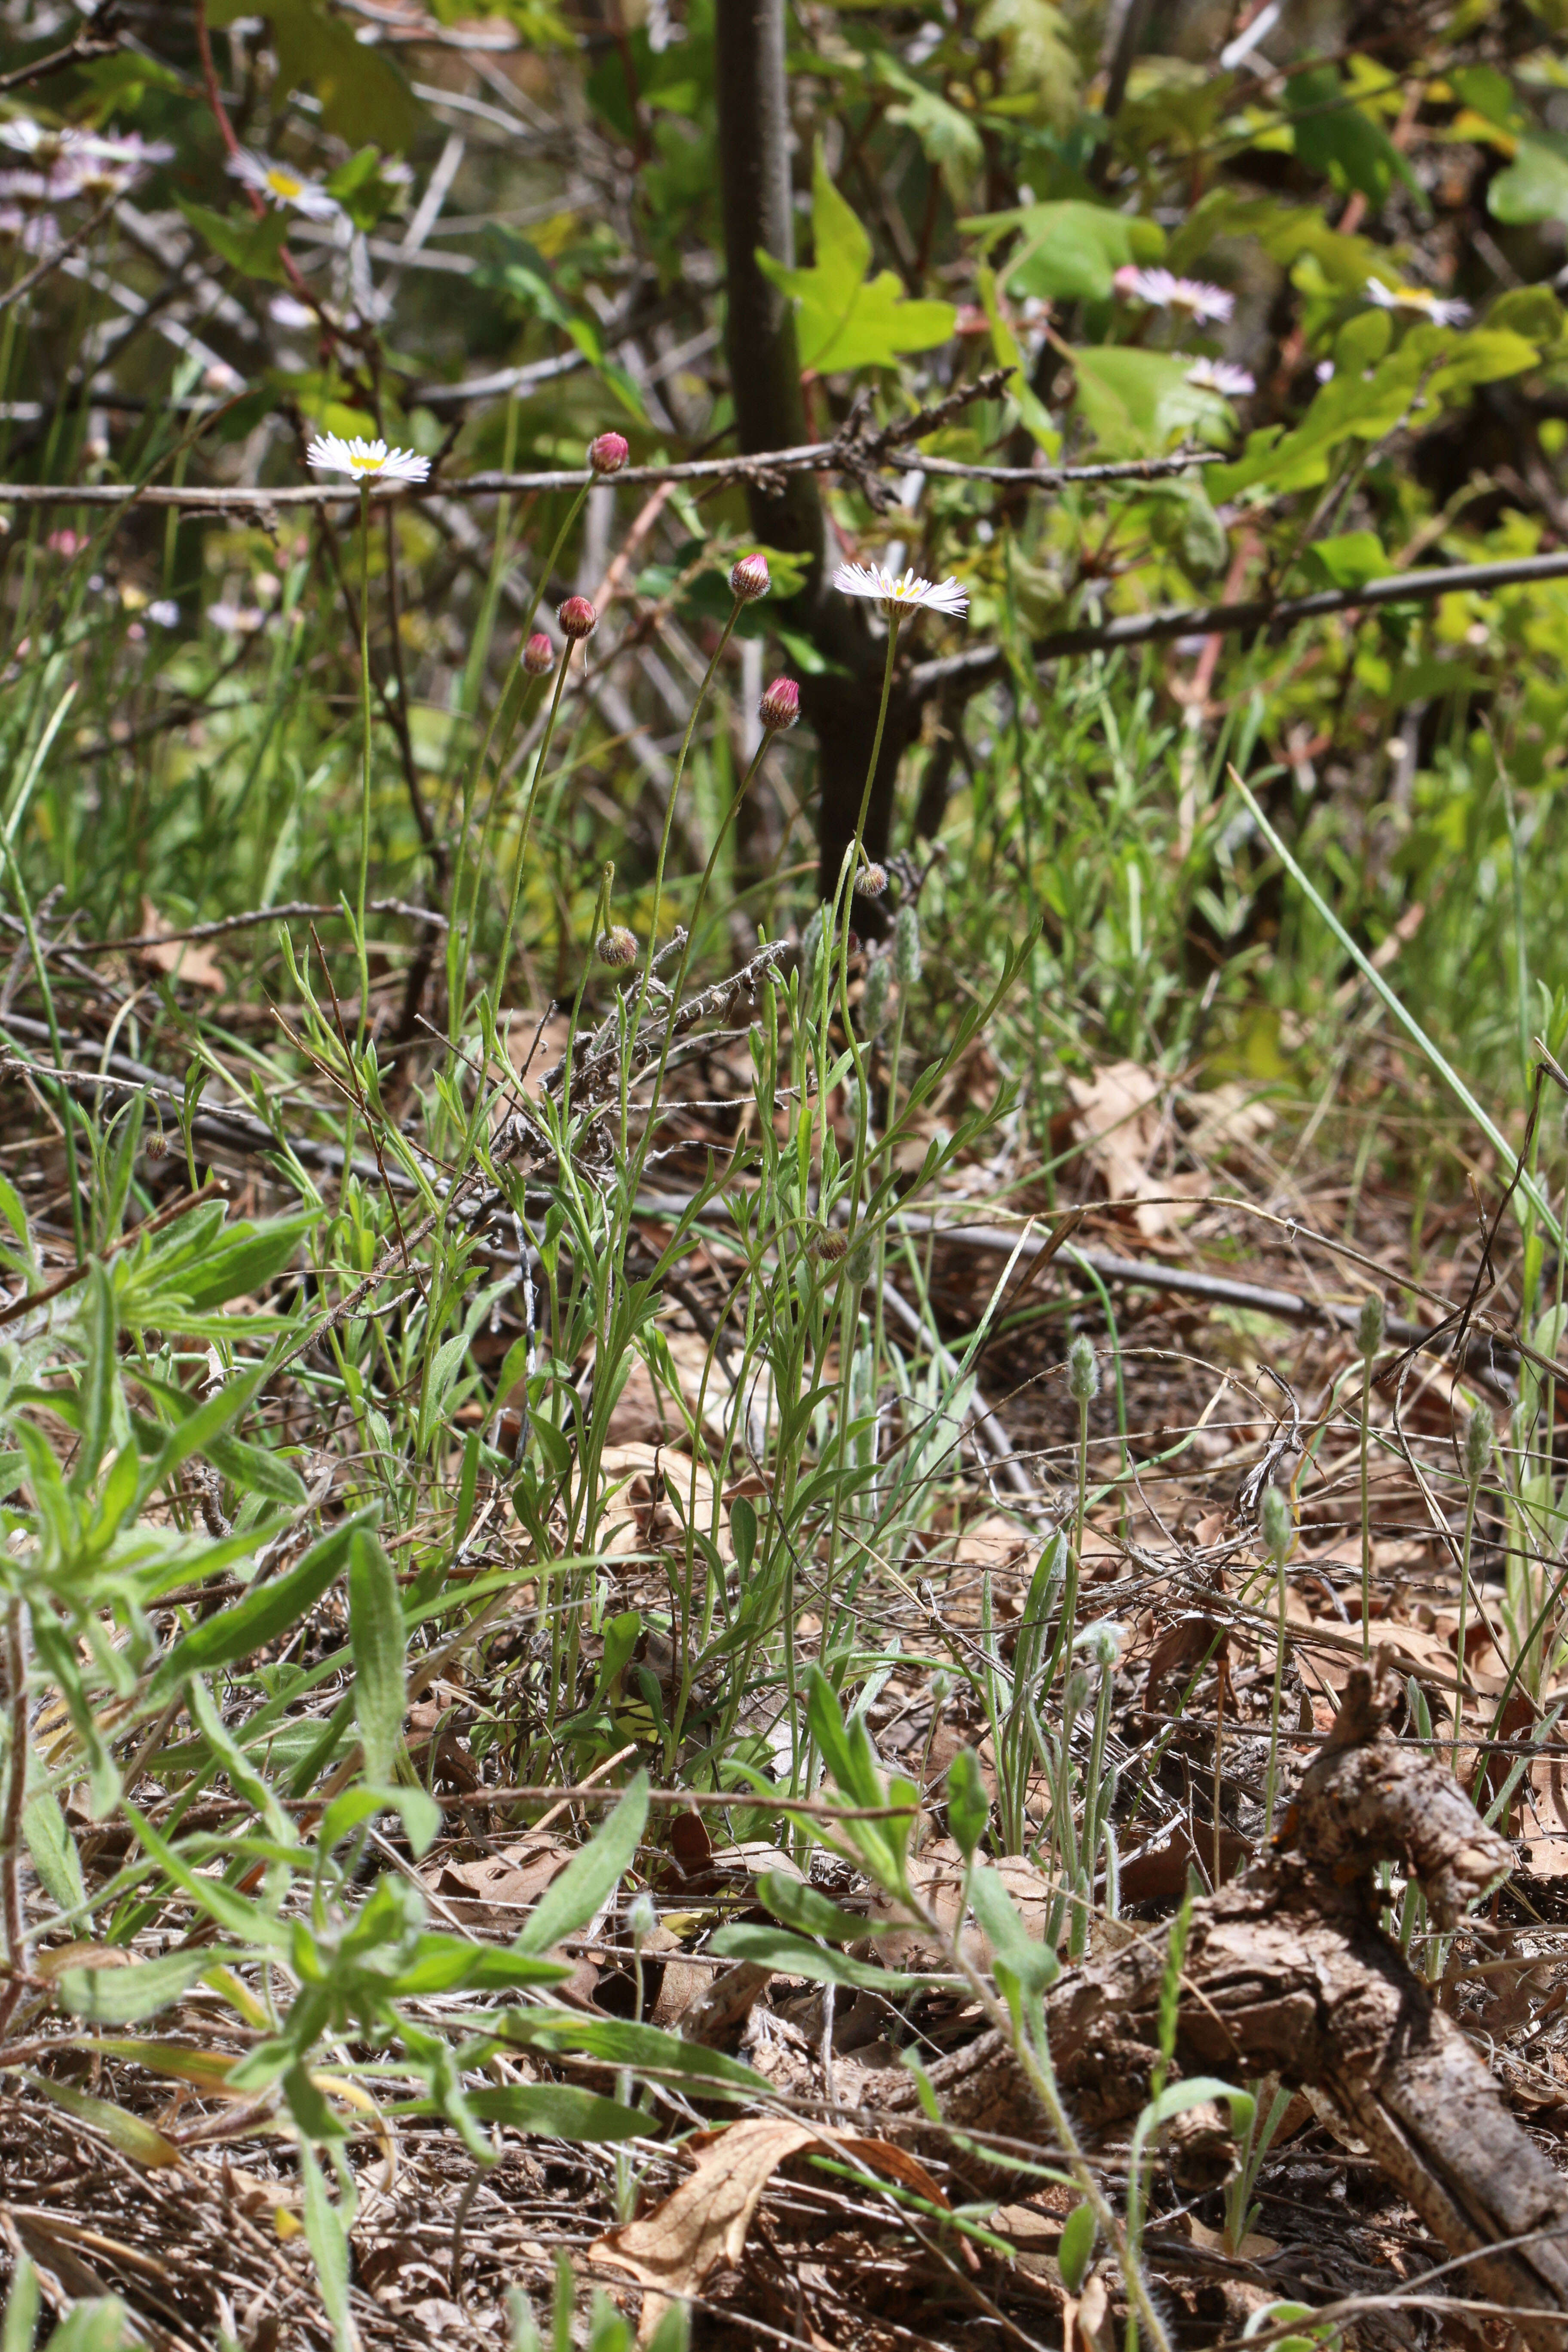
[
  {"x": 551, "y": 2110},
  {"x": 134, "y": 2137},
  {"x": 375, "y": 1628},
  {"x": 592, "y": 1875},
  {"x": 328, "y": 2241},
  {"x": 1076, "y": 2247},
  {"x": 99, "y": 1374},
  {"x": 53, "y": 1851},
  {"x": 262, "y": 1615},
  {"x": 21, "y": 2321}
]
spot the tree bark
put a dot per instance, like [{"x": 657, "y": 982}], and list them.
[{"x": 840, "y": 701}]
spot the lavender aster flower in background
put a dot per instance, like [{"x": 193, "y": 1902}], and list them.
[
  {"x": 1218, "y": 375},
  {"x": 1164, "y": 290}
]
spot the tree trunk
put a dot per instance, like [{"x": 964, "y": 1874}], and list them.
[{"x": 841, "y": 701}]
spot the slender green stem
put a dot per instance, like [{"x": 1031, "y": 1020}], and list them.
[
  {"x": 668, "y": 826},
  {"x": 1274, "y": 1706},
  {"x": 460, "y": 938},
  {"x": 364, "y": 766},
  {"x": 560, "y": 670}
]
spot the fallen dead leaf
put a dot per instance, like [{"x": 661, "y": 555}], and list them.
[
  {"x": 189, "y": 960},
  {"x": 1119, "y": 1124},
  {"x": 702, "y": 2224},
  {"x": 496, "y": 1892},
  {"x": 656, "y": 1492}
]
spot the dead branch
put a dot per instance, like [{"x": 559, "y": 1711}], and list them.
[{"x": 1288, "y": 1972}]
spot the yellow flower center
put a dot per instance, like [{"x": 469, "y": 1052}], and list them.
[
  {"x": 284, "y": 184},
  {"x": 366, "y": 464}
]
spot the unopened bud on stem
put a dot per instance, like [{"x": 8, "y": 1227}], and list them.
[
  {"x": 874, "y": 996},
  {"x": 608, "y": 452},
  {"x": 1369, "y": 1326},
  {"x": 906, "y": 947},
  {"x": 538, "y": 655},
  {"x": 1477, "y": 1448},
  {"x": 1278, "y": 1526},
  {"x": 871, "y": 881},
  {"x": 780, "y": 706},
  {"x": 1083, "y": 1371},
  {"x": 750, "y": 579},
  {"x": 577, "y": 618},
  {"x": 618, "y": 947},
  {"x": 828, "y": 1246}
]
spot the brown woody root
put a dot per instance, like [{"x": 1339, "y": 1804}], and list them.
[{"x": 1287, "y": 1972}]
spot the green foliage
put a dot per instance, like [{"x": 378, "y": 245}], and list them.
[{"x": 844, "y": 318}]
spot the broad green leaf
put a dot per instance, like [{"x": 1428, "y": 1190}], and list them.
[
  {"x": 416, "y": 1809},
  {"x": 1337, "y": 139},
  {"x": 620, "y": 2042},
  {"x": 240, "y": 1915},
  {"x": 1348, "y": 561},
  {"x": 774, "y": 1948},
  {"x": 801, "y": 1908},
  {"x": 140, "y": 2141},
  {"x": 1036, "y": 39},
  {"x": 245, "y": 1257},
  {"x": 551, "y": 2110},
  {"x": 1534, "y": 186},
  {"x": 256, "y": 1470},
  {"x": 252, "y": 246},
  {"x": 1035, "y": 1966},
  {"x": 53, "y": 1851},
  {"x": 363, "y": 95},
  {"x": 21, "y": 2320},
  {"x": 1137, "y": 402},
  {"x": 968, "y": 1802},
  {"x": 592, "y": 1875},
  {"x": 328, "y": 2238},
  {"x": 844, "y": 318},
  {"x": 1070, "y": 251},
  {"x": 99, "y": 2323},
  {"x": 263, "y": 1614},
  {"x": 376, "y": 1627},
  {"x": 451, "y": 1963},
  {"x": 230, "y": 1758},
  {"x": 96, "y": 1327},
  {"x": 1076, "y": 2246}
]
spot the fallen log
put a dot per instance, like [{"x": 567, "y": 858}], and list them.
[{"x": 1287, "y": 1972}]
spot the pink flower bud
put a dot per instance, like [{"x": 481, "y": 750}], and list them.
[
  {"x": 780, "y": 706},
  {"x": 750, "y": 579},
  {"x": 609, "y": 453},
  {"x": 538, "y": 655},
  {"x": 577, "y": 618}
]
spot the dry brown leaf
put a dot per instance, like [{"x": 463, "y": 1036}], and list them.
[
  {"x": 1118, "y": 1124},
  {"x": 674, "y": 2249},
  {"x": 657, "y": 1493},
  {"x": 189, "y": 960},
  {"x": 1229, "y": 1115},
  {"x": 497, "y": 1891},
  {"x": 937, "y": 1877}
]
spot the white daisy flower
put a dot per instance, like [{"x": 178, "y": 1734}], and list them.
[
  {"x": 282, "y": 184},
  {"x": 236, "y": 620},
  {"x": 910, "y": 592},
  {"x": 36, "y": 139},
  {"x": 1218, "y": 375},
  {"x": 1164, "y": 290},
  {"x": 1325, "y": 371},
  {"x": 166, "y": 612},
  {"x": 366, "y": 461},
  {"x": 1442, "y": 312}
]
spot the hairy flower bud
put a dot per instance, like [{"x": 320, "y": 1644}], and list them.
[
  {"x": 874, "y": 996},
  {"x": 617, "y": 947},
  {"x": 1477, "y": 1448},
  {"x": 577, "y": 618},
  {"x": 1083, "y": 1371},
  {"x": 538, "y": 655},
  {"x": 861, "y": 1261},
  {"x": 780, "y": 706},
  {"x": 750, "y": 579},
  {"x": 871, "y": 881},
  {"x": 1369, "y": 1326},
  {"x": 826, "y": 1245},
  {"x": 609, "y": 453},
  {"x": 642, "y": 1918},
  {"x": 1278, "y": 1526},
  {"x": 906, "y": 947}
]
